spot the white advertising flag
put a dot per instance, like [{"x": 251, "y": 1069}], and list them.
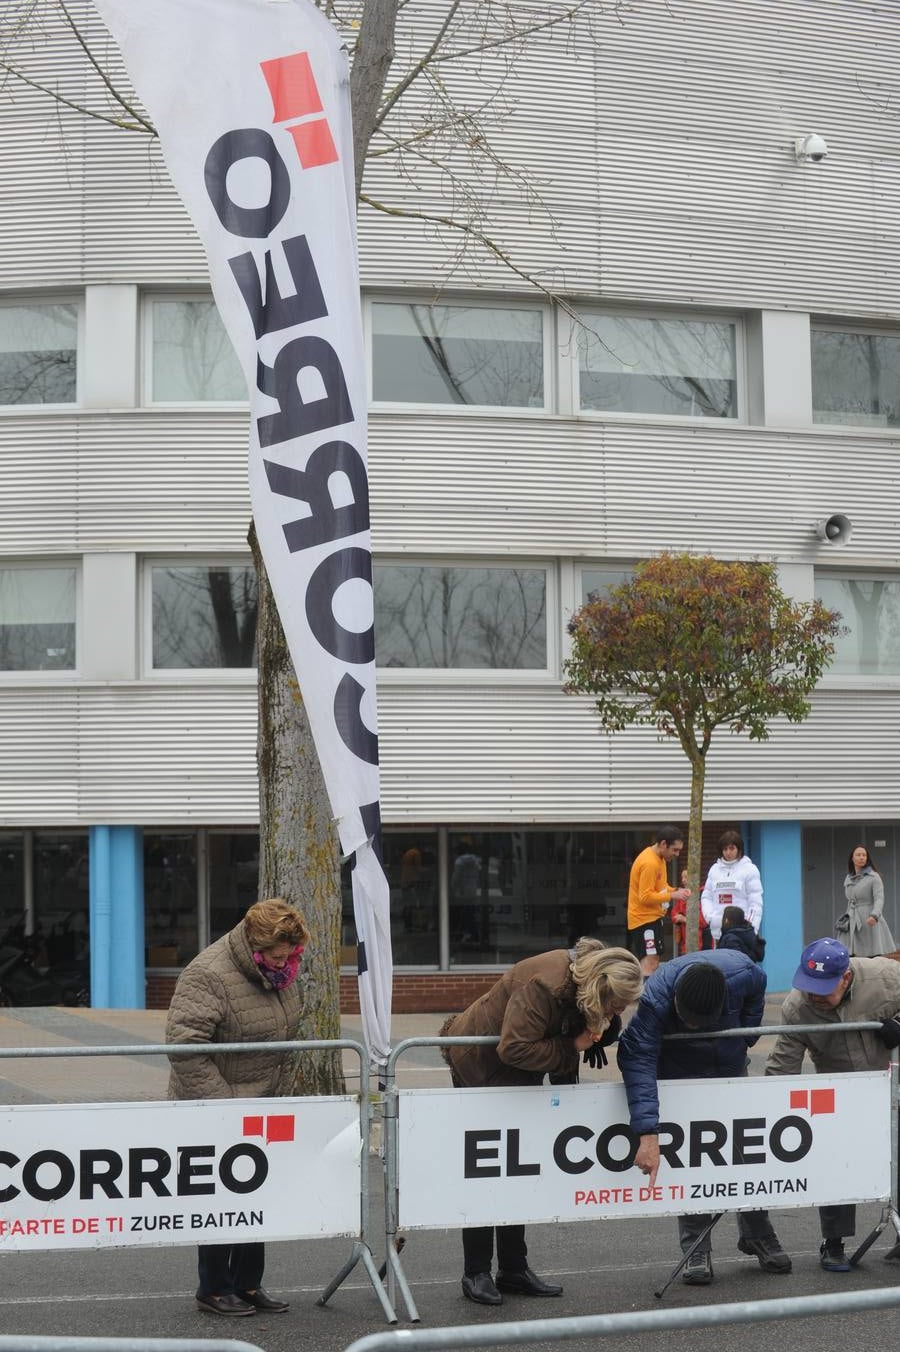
[{"x": 251, "y": 102}]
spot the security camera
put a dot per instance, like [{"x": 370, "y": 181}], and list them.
[
  {"x": 810, "y": 149},
  {"x": 834, "y": 530}
]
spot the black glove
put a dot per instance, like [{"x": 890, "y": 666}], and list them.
[
  {"x": 595, "y": 1056},
  {"x": 890, "y": 1032}
]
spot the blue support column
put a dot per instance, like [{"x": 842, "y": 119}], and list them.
[
  {"x": 118, "y": 977},
  {"x": 776, "y": 849}
]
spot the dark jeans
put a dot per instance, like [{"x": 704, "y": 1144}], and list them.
[
  {"x": 837, "y": 1221},
  {"x": 478, "y": 1248},
  {"x": 751, "y": 1225},
  {"x": 226, "y": 1268}
]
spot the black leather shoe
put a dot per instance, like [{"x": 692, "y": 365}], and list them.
[
  {"x": 261, "y": 1300},
  {"x": 526, "y": 1284},
  {"x": 227, "y": 1304},
  {"x": 481, "y": 1289}
]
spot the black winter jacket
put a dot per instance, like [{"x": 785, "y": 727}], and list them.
[{"x": 744, "y": 939}]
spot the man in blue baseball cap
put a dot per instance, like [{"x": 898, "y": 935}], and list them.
[{"x": 831, "y": 987}]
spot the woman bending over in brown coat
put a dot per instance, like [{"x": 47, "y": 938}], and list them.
[
  {"x": 243, "y": 988},
  {"x": 546, "y": 1010}
]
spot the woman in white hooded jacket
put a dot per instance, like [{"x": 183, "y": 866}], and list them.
[{"x": 733, "y": 880}]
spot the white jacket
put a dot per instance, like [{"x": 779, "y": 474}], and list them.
[{"x": 732, "y": 884}]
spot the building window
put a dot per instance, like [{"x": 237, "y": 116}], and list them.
[
  {"x": 596, "y": 582},
  {"x": 192, "y": 360},
  {"x": 38, "y": 354},
  {"x": 203, "y": 616},
  {"x": 61, "y": 905},
  {"x": 170, "y": 898},
  {"x": 410, "y": 864},
  {"x": 515, "y": 893},
  {"x": 12, "y": 888},
  {"x": 457, "y": 354},
  {"x": 654, "y": 366},
  {"x": 37, "y": 619},
  {"x": 233, "y": 878},
  {"x": 870, "y": 611},
  {"x": 856, "y": 378},
  {"x": 465, "y": 617}
]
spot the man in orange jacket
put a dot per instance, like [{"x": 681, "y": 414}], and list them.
[{"x": 649, "y": 896}]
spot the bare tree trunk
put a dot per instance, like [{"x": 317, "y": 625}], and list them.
[
  {"x": 298, "y": 842},
  {"x": 695, "y": 847},
  {"x": 371, "y": 63}
]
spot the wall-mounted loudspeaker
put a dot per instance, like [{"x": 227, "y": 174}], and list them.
[{"x": 834, "y": 530}]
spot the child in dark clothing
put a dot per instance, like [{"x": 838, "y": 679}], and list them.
[{"x": 737, "y": 932}]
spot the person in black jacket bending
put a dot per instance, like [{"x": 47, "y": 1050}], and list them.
[{"x": 697, "y": 993}]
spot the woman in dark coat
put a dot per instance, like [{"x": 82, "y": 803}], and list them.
[{"x": 546, "y": 1010}]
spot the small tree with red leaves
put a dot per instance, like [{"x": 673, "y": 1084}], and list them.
[{"x": 691, "y": 644}]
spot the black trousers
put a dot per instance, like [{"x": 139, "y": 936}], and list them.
[
  {"x": 478, "y": 1248},
  {"x": 226, "y": 1268}
]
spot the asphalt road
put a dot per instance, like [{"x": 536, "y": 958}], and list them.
[{"x": 605, "y": 1266}]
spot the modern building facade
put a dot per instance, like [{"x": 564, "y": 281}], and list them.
[{"x": 714, "y": 365}]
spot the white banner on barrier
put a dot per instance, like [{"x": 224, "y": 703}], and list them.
[
  {"x": 141, "y": 1174},
  {"x": 564, "y": 1152}
]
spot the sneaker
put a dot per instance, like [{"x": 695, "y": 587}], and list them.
[
  {"x": 832, "y": 1257},
  {"x": 698, "y": 1269},
  {"x": 768, "y": 1252}
]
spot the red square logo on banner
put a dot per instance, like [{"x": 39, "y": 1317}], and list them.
[
  {"x": 799, "y": 1098},
  {"x": 822, "y": 1101},
  {"x": 314, "y": 143},
  {"x": 253, "y": 1126},
  {"x": 292, "y": 86},
  {"x": 280, "y": 1127}
]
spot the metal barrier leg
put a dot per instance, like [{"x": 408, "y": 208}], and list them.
[
  {"x": 396, "y": 1267},
  {"x": 704, "y": 1234},
  {"x": 393, "y": 1242},
  {"x": 360, "y": 1253},
  {"x": 887, "y": 1214}
]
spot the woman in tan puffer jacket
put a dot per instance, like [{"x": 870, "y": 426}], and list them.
[{"x": 243, "y": 988}]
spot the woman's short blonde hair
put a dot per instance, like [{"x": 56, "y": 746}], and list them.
[
  {"x": 604, "y": 977},
  {"x": 272, "y": 922}
]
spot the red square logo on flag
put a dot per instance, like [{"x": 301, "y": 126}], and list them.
[
  {"x": 314, "y": 143},
  {"x": 799, "y": 1098},
  {"x": 822, "y": 1101},
  {"x": 253, "y": 1126},
  {"x": 292, "y": 86},
  {"x": 280, "y": 1127}
]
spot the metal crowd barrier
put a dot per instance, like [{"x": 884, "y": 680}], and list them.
[
  {"x": 396, "y": 1278},
  {"x": 21, "y": 1342},
  {"x": 620, "y": 1325},
  {"x": 361, "y": 1250}
]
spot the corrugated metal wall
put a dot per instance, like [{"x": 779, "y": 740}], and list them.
[{"x": 665, "y": 156}]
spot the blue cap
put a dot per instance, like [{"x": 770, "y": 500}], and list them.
[{"x": 822, "y": 964}]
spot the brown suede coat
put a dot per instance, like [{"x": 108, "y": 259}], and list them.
[
  {"x": 532, "y": 1009},
  {"x": 223, "y": 997}
]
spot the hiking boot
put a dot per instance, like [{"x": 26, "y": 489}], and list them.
[
  {"x": 768, "y": 1252},
  {"x": 832, "y": 1257},
  {"x": 698, "y": 1269}
]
